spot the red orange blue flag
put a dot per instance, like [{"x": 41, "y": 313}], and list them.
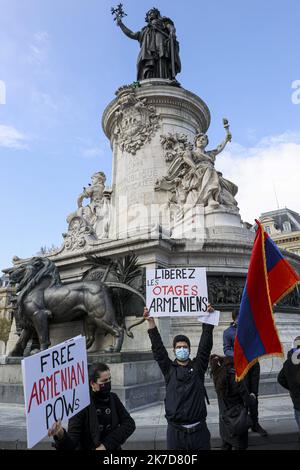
[{"x": 270, "y": 277}]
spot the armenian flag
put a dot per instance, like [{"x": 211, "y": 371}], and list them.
[{"x": 270, "y": 277}]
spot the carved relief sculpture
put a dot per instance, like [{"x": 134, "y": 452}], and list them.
[
  {"x": 226, "y": 290},
  {"x": 192, "y": 178},
  {"x": 136, "y": 121},
  {"x": 175, "y": 145},
  {"x": 90, "y": 222}
]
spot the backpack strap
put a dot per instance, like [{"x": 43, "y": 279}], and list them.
[{"x": 206, "y": 396}]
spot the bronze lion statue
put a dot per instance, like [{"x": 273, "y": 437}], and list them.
[{"x": 42, "y": 298}]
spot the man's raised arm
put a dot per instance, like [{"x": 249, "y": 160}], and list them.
[
  {"x": 159, "y": 351},
  {"x": 205, "y": 345}
]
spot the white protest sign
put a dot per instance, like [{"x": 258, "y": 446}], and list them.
[
  {"x": 176, "y": 292},
  {"x": 56, "y": 386},
  {"x": 212, "y": 318}
]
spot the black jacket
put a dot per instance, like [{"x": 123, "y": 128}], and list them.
[
  {"x": 84, "y": 433},
  {"x": 235, "y": 393},
  {"x": 185, "y": 391},
  {"x": 289, "y": 378}
]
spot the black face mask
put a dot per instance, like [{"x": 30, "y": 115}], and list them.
[{"x": 104, "y": 390}]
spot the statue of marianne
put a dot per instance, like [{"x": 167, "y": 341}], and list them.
[{"x": 159, "y": 53}]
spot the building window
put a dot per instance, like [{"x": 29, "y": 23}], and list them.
[
  {"x": 268, "y": 230},
  {"x": 287, "y": 227}
]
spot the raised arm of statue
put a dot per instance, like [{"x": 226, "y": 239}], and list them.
[
  {"x": 222, "y": 145},
  {"x": 128, "y": 31},
  {"x": 81, "y": 197}
]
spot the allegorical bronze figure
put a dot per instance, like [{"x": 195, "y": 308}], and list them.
[{"x": 159, "y": 53}]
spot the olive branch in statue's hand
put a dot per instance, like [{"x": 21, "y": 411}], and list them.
[{"x": 118, "y": 12}]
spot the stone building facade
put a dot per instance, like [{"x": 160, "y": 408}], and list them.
[{"x": 283, "y": 225}]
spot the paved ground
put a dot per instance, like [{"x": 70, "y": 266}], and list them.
[{"x": 276, "y": 415}]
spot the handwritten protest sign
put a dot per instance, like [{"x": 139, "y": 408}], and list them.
[
  {"x": 176, "y": 292},
  {"x": 56, "y": 386}
]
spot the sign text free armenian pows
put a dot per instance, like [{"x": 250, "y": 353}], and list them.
[
  {"x": 56, "y": 386},
  {"x": 176, "y": 292}
]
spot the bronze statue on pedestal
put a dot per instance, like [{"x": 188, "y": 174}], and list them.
[{"x": 159, "y": 53}]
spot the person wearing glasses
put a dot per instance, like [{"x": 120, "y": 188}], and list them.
[{"x": 103, "y": 425}]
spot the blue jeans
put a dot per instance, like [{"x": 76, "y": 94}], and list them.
[{"x": 297, "y": 417}]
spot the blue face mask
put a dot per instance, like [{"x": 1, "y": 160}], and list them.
[{"x": 182, "y": 354}]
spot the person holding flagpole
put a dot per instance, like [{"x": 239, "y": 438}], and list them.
[{"x": 270, "y": 278}]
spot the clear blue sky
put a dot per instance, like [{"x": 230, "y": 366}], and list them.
[{"x": 62, "y": 60}]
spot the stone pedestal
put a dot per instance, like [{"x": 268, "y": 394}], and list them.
[
  {"x": 222, "y": 218},
  {"x": 6, "y": 295},
  {"x": 62, "y": 331},
  {"x": 139, "y": 123},
  {"x": 134, "y": 123},
  {"x": 136, "y": 378},
  {"x": 139, "y": 343},
  {"x": 13, "y": 338}
]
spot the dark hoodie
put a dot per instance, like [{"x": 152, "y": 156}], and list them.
[{"x": 289, "y": 378}]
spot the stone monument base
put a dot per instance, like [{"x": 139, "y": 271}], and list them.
[
  {"x": 138, "y": 382},
  {"x": 136, "y": 377},
  {"x": 60, "y": 332}
]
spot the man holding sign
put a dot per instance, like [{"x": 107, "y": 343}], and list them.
[{"x": 185, "y": 392}]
